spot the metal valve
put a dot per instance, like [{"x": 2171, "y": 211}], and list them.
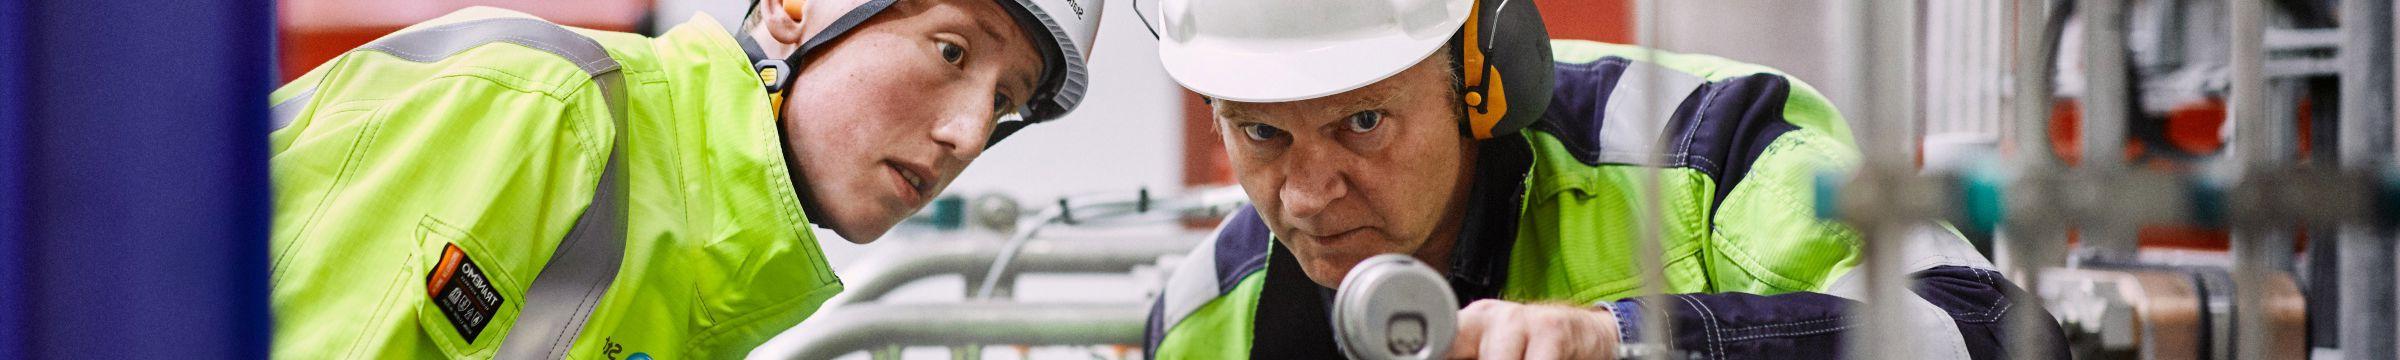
[{"x": 1394, "y": 307}]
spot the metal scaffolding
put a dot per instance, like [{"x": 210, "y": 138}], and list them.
[{"x": 2269, "y": 195}]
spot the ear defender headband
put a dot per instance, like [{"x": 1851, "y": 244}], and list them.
[
  {"x": 778, "y": 73},
  {"x": 1503, "y": 39}
]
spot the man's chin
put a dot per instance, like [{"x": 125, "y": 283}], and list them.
[
  {"x": 861, "y": 235},
  {"x": 1329, "y": 271}
]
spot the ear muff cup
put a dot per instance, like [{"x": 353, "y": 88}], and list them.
[{"x": 1515, "y": 66}]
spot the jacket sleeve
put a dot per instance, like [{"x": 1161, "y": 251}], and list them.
[
  {"x": 1762, "y": 138},
  {"x": 1971, "y": 306},
  {"x": 1764, "y": 225},
  {"x": 373, "y": 181}
]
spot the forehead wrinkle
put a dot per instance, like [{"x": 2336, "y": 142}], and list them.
[
  {"x": 1372, "y": 97},
  {"x": 1231, "y": 111}
]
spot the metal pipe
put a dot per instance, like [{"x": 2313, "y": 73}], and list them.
[
  {"x": 877, "y": 327},
  {"x": 1138, "y": 207},
  {"x": 2107, "y": 105},
  {"x": 2031, "y": 135},
  {"x": 2026, "y": 238},
  {"x": 876, "y": 276},
  {"x": 1884, "y": 44},
  {"x": 2256, "y": 147},
  {"x": 2366, "y": 289},
  {"x": 1650, "y": 252}
]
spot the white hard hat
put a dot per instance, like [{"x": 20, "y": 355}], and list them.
[
  {"x": 1286, "y": 50},
  {"x": 1071, "y": 26},
  {"x": 1292, "y": 50}
]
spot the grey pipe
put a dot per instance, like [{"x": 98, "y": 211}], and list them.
[
  {"x": 2107, "y": 103},
  {"x": 877, "y": 326},
  {"x": 1884, "y": 42},
  {"x": 2027, "y": 240},
  {"x": 2366, "y": 287},
  {"x": 2107, "y": 106},
  {"x": 971, "y": 258},
  {"x": 2255, "y": 140},
  {"x": 1649, "y": 251}
]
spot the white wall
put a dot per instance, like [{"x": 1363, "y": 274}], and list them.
[{"x": 1796, "y": 36}]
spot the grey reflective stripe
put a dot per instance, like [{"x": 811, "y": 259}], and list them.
[
  {"x": 290, "y": 108},
  {"x": 1633, "y": 123},
  {"x": 570, "y": 286},
  {"x": 1193, "y": 283}
]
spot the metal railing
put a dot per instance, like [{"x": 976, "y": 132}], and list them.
[
  {"x": 861, "y": 319},
  {"x": 2267, "y": 195}
]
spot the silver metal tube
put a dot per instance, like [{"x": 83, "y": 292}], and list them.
[
  {"x": 870, "y": 279},
  {"x": 2031, "y": 101},
  {"x": 1657, "y": 337},
  {"x": 2366, "y": 287},
  {"x": 2256, "y": 146},
  {"x": 2031, "y": 244},
  {"x": 2106, "y": 103},
  {"x": 1885, "y": 41},
  {"x": 2107, "y": 106},
  {"x": 878, "y": 327}
]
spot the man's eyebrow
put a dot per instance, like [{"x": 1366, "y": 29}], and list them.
[
  {"x": 1224, "y": 109},
  {"x": 1029, "y": 82}
]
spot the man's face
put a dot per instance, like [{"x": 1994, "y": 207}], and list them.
[
  {"x": 1380, "y": 169},
  {"x": 884, "y": 118}
]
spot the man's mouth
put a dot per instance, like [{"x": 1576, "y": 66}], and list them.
[
  {"x": 914, "y": 180},
  {"x": 1339, "y": 237}
]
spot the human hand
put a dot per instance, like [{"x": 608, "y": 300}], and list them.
[{"x": 1503, "y": 330}]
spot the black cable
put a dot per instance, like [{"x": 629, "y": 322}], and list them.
[{"x": 1137, "y": 13}]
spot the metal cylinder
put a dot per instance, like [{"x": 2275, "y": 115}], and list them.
[
  {"x": 1884, "y": 39},
  {"x": 2366, "y": 287},
  {"x": 1392, "y": 306},
  {"x": 1650, "y": 251},
  {"x": 2256, "y": 145},
  {"x": 2031, "y": 243},
  {"x": 2107, "y": 107},
  {"x": 2106, "y": 102}
]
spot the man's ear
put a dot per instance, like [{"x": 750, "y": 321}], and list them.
[
  {"x": 787, "y": 23},
  {"x": 797, "y": 8}
]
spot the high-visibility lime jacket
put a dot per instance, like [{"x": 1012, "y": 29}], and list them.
[
  {"x": 489, "y": 131},
  {"x": 1555, "y": 217}
]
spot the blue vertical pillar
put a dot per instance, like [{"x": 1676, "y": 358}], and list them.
[
  {"x": 143, "y": 190},
  {"x": 13, "y": 289}
]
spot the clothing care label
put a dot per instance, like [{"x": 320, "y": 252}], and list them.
[{"x": 463, "y": 292}]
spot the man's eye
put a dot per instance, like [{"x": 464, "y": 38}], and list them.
[
  {"x": 1364, "y": 121},
  {"x": 1258, "y": 132},
  {"x": 1002, "y": 106},
  {"x": 952, "y": 53}
]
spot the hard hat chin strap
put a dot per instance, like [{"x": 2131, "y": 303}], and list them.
[{"x": 777, "y": 74}]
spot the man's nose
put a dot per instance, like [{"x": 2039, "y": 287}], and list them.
[
  {"x": 1317, "y": 177},
  {"x": 962, "y": 132}
]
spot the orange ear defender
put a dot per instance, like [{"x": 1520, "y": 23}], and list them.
[
  {"x": 1499, "y": 39},
  {"x": 798, "y": 9},
  {"x": 1480, "y": 119}
]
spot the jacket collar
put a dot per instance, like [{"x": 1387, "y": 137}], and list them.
[{"x": 1479, "y": 259}]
